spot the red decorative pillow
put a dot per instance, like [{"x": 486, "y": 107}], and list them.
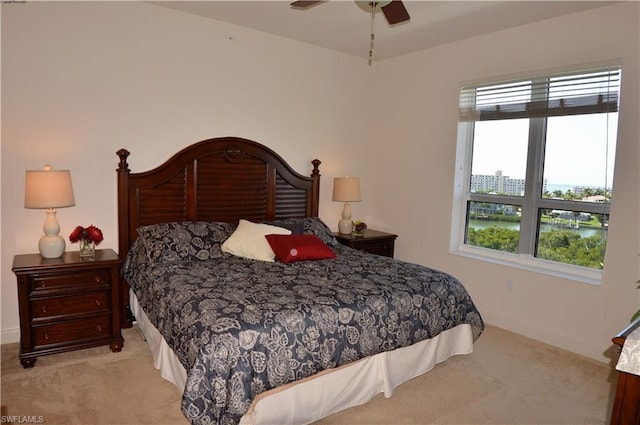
[{"x": 289, "y": 248}]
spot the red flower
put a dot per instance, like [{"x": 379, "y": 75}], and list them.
[{"x": 91, "y": 234}]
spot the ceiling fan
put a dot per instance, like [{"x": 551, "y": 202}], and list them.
[{"x": 394, "y": 10}]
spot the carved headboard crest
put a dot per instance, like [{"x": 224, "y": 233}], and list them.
[{"x": 233, "y": 153}]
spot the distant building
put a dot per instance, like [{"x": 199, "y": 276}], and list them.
[{"x": 499, "y": 184}]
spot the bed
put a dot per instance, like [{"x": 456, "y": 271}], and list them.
[{"x": 250, "y": 305}]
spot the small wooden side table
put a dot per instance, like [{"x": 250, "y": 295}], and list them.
[
  {"x": 67, "y": 304},
  {"x": 373, "y": 241}
]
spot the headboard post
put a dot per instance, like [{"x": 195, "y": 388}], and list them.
[
  {"x": 123, "y": 189},
  {"x": 315, "y": 191},
  {"x": 124, "y": 243}
]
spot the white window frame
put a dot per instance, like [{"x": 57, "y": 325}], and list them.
[{"x": 530, "y": 203}]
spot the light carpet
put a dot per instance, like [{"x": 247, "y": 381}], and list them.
[{"x": 509, "y": 379}]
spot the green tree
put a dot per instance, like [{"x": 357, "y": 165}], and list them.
[
  {"x": 570, "y": 195},
  {"x": 497, "y": 238},
  {"x": 570, "y": 248},
  {"x": 564, "y": 246}
]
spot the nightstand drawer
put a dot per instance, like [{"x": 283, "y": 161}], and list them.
[
  {"x": 51, "y": 308},
  {"x": 69, "y": 281},
  {"x": 72, "y": 331}
]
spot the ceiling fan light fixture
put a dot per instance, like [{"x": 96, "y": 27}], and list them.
[{"x": 366, "y": 5}]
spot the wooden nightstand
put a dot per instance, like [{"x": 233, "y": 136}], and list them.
[
  {"x": 67, "y": 304},
  {"x": 373, "y": 241}
]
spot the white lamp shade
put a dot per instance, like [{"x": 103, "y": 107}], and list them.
[
  {"x": 346, "y": 189},
  {"x": 48, "y": 189}
]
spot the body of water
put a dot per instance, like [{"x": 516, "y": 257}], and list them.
[
  {"x": 561, "y": 187},
  {"x": 582, "y": 231}
]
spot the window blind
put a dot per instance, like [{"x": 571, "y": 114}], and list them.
[{"x": 587, "y": 92}]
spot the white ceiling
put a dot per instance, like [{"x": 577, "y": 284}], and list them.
[{"x": 344, "y": 26}]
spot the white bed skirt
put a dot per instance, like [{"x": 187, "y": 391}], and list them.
[{"x": 330, "y": 391}]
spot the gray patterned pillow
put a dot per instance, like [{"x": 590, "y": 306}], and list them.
[
  {"x": 184, "y": 241},
  {"x": 315, "y": 226},
  {"x": 307, "y": 226},
  {"x": 296, "y": 225}
]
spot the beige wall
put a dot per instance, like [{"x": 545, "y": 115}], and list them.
[
  {"x": 422, "y": 124},
  {"x": 81, "y": 80}
]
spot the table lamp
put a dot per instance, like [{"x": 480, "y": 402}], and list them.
[
  {"x": 49, "y": 189},
  {"x": 346, "y": 189}
]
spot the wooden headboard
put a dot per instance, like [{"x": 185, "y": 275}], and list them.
[{"x": 220, "y": 179}]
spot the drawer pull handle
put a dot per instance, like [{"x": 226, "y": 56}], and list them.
[
  {"x": 99, "y": 328},
  {"x": 46, "y": 335},
  {"x": 98, "y": 303},
  {"x": 97, "y": 279},
  {"x": 44, "y": 308}
]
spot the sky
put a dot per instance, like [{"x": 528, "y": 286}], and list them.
[{"x": 576, "y": 151}]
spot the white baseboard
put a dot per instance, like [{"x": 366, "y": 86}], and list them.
[
  {"x": 578, "y": 347},
  {"x": 10, "y": 335}
]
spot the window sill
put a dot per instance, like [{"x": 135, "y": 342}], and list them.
[{"x": 526, "y": 262}]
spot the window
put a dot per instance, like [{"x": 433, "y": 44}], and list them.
[{"x": 535, "y": 165}]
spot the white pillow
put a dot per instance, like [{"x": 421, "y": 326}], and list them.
[{"x": 248, "y": 240}]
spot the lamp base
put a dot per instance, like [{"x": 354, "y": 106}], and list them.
[
  {"x": 51, "y": 246},
  {"x": 345, "y": 227}
]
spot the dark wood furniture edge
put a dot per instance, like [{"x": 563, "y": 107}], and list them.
[
  {"x": 626, "y": 405},
  {"x": 234, "y": 150},
  {"x": 623, "y": 334},
  {"x": 376, "y": 236}
]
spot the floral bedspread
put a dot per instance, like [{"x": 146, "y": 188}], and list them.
[{"x": 241, "y": 327}]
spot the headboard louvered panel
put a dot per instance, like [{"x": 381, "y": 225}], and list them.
[
  {"x": 174, "y": 201},
  {"x": 290, "y": 201},
  {"x": 221, "y": 179},
  {"x": 226, "y": 189}
]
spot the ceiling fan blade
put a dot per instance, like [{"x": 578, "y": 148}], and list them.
[
  {"x": 395, "y": 12},
  {"x": 303, "y": 4}
]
